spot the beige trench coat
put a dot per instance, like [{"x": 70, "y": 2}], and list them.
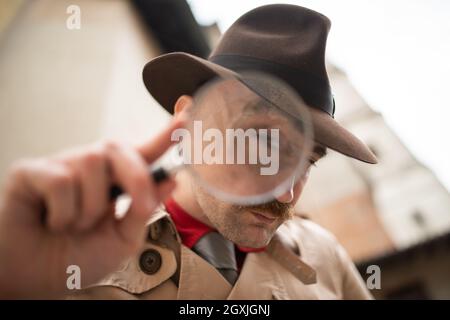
[{"x": 302, "y": 261}]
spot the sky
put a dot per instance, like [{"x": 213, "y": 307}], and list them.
[{"x": 396, "y": 54}]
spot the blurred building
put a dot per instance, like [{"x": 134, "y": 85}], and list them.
[
  {"x": 387, "y": 214},
  {"x": 421, "y": 271},
  {"x": 62, "y": 87}
]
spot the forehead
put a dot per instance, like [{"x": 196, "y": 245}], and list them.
[
  {"x": 230, "y": 92},
  {"x": 232, "y": 98},
  {"x": 220, "y": 97}
]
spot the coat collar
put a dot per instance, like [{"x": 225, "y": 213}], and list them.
[{"x": 260, "y": 277}]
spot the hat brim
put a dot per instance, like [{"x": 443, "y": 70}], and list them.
[{"x": 172, "y": 75}]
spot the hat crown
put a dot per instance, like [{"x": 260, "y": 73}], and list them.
[
  {"x": 293, "y": 31},
  {"x": 287, "y": 41}
]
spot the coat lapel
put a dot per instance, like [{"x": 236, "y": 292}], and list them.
[
  {"x": 259, "y": 279},
  {"x": 264, "y": 275},
  {"x": 200, "y": 280},
  {"x": 290, "y": 261}
]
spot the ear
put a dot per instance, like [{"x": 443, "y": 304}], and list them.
[{"x": 183, "y": 103}]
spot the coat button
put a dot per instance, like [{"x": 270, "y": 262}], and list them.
[{"x": 150, "y": 261}]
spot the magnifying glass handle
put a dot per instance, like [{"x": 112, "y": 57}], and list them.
[{"x": 158, "y": 175}]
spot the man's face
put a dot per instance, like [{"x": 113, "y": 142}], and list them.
[{"x": 247, "y": 226}]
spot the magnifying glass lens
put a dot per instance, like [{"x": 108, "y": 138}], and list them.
[{"x": 247, "y": 138}]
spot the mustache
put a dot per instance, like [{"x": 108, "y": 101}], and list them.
[{"x": 277, "y": 208}]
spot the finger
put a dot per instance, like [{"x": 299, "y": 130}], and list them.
[
  {"x": 94, "y": 183},
  {"x": 63, "y": 198},
  {"x": 54, "y": 185},
  {"x": 130, "y": 171},
  {"x": 154, "y": 148}
]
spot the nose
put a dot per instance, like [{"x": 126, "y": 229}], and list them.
[{"x": 286, "y": 197}]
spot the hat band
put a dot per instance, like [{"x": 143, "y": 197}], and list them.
[{"x": 314, "y": 91}]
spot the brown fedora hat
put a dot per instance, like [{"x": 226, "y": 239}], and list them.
[{"x": 285, "y": 41}]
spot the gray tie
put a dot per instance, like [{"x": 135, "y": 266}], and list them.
[{"x": 219, "y": 252}]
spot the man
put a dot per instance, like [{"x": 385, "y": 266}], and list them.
[{"x": 194, "y": 246}]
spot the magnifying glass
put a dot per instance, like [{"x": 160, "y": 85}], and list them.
[{"x": 247, "y": 139}]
